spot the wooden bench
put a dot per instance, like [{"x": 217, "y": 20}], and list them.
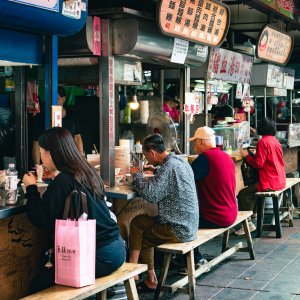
[
  {"x": 277, "y": 197},
  {"x": 203, "y": 236},
  {"x": 125, "y": 273}
]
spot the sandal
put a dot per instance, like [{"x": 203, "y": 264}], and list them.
[{"x": 143, "y": 288}]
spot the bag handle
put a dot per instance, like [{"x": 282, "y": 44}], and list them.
[{"x": 80, "y": 200}]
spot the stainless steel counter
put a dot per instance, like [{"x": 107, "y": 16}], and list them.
[{"x": 124, "y": 192}]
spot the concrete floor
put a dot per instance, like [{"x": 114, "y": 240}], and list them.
[{"x": 274, "y": 274}]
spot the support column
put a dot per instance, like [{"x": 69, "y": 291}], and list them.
[
  {"x": 107, "y": 107},
  {"x": 21, "y": 137},
  {"x": 51, "y": 76}
]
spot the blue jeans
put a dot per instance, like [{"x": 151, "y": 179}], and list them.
[{"x": 110, "y": 257}]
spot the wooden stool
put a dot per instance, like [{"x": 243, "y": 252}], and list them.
[{"x": 277, "y": 197}]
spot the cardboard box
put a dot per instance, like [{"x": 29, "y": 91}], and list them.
[{"x": 126, "y": 210}]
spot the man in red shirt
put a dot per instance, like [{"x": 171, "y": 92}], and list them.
[
  {"x": 268, "y": 160},
  {"x": 214, "y": 174}
]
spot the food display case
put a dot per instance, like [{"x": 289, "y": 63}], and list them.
[
  {"x": 293, "y": 135},
  {"x": 235, "y": 136}
]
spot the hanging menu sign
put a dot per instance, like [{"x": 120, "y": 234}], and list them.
[
  {"x": 200, "y": 21},
  {"x": 229, "y": 66},
  {"x": 274, "y": 46}
]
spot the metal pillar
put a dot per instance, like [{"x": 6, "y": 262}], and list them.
[
  {"x": 107, "y": 107},
  {"x": 21, "y": 138},
  {"x": 51, "y": 76},
  {"x": 265, "y": 101}
]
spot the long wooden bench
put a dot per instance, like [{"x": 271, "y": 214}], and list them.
[
  {"x": 203, "y": 236},
  {"x": 125, "y": 273},
  {"x": 277, "y": 197}
]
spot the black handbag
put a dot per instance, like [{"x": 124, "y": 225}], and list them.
[{"x": 250, "y": 174}]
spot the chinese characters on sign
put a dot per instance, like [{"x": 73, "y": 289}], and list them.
[
  {"x": 192, "y": 103},
  {"x": 229, "y": 66},
  {"x": 43, "y": 4},
  {"x": 96, "y": 36},
  {"x": 72, "y": 9},
  {"x": 111, "y": 99},
  {"x": 200, "y": 21},
  {"x": 274, "y": 46},
  {"x": 280, "y": 77},
  {"x": 180, "y": 51}
]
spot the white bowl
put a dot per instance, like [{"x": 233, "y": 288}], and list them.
[{"x": 129, "y": 178}]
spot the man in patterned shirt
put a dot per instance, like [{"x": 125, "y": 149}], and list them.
[{"x": 173, "y": 189}]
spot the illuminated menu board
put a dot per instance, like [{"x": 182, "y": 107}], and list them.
[
  {"x": 200, "y": 21},
  {"x": 274, "y": 45}
]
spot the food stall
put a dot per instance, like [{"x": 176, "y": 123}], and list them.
[
  {"x": 226, "y": 69},
  {"x": 28, "y": 31},
  {"x": 131, "y": 44},
  {"x": 272, "y": 84}
]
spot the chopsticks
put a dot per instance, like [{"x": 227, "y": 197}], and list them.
[{"x": 95, "y": 149}]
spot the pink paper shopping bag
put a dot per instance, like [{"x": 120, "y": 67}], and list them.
[{"x": 75, "y": 246}]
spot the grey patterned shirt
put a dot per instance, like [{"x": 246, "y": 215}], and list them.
[{"x": 173, "y": 189}]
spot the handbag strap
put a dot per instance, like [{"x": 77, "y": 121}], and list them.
[{"x": 74, "y": 212}]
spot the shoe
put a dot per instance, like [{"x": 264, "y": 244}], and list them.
[
  {"x": 178, "y": 262},
  {"x": 241, "y": 231},
  {"x": 199, "y": 264},
  {"x": 143, "y": 288}
]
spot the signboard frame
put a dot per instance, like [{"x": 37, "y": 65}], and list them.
[
  {"x": 40, "y": 5},
  {"x": 188, "y": 37},
  {"x": 238, "y": 66},
  {"x": 280, "y": 31}
]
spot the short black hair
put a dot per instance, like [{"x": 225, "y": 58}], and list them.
[
  {"x": 266, "y": 127},
  {"x": 61, "y": 91},
  {"x": 154, "y": 142}
]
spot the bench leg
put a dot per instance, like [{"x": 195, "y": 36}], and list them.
[
  {"x": 102, "y": 295},
  {"x": 191, "y": 274},
  {"x": 248, "y": 238},
  {"x": 276, "y": 216},
  {"x": 260, "y": 216},
  {"x": 163, "y": 275},
  {"x": 131, "y": 290},
  {"x": 225, "y": 241}
]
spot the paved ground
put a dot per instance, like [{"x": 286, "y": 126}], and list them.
[{"x": 274, "y": 274}]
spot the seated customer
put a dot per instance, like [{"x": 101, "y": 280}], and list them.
[
  {"x": 173, "y": 189},
  {"x": 268, "y": 160},
  {"x": 59, "y": 152},
  {"x": 214, "y": 174}
]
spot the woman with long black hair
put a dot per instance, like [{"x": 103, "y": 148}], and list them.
[{"x": 59, "y": 153}]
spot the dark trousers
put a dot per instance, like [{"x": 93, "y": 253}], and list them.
[
  {"x": 108, "y": 259},
  {"x": 247, "y": 198},
  {"x": 203, "y": 224}
]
